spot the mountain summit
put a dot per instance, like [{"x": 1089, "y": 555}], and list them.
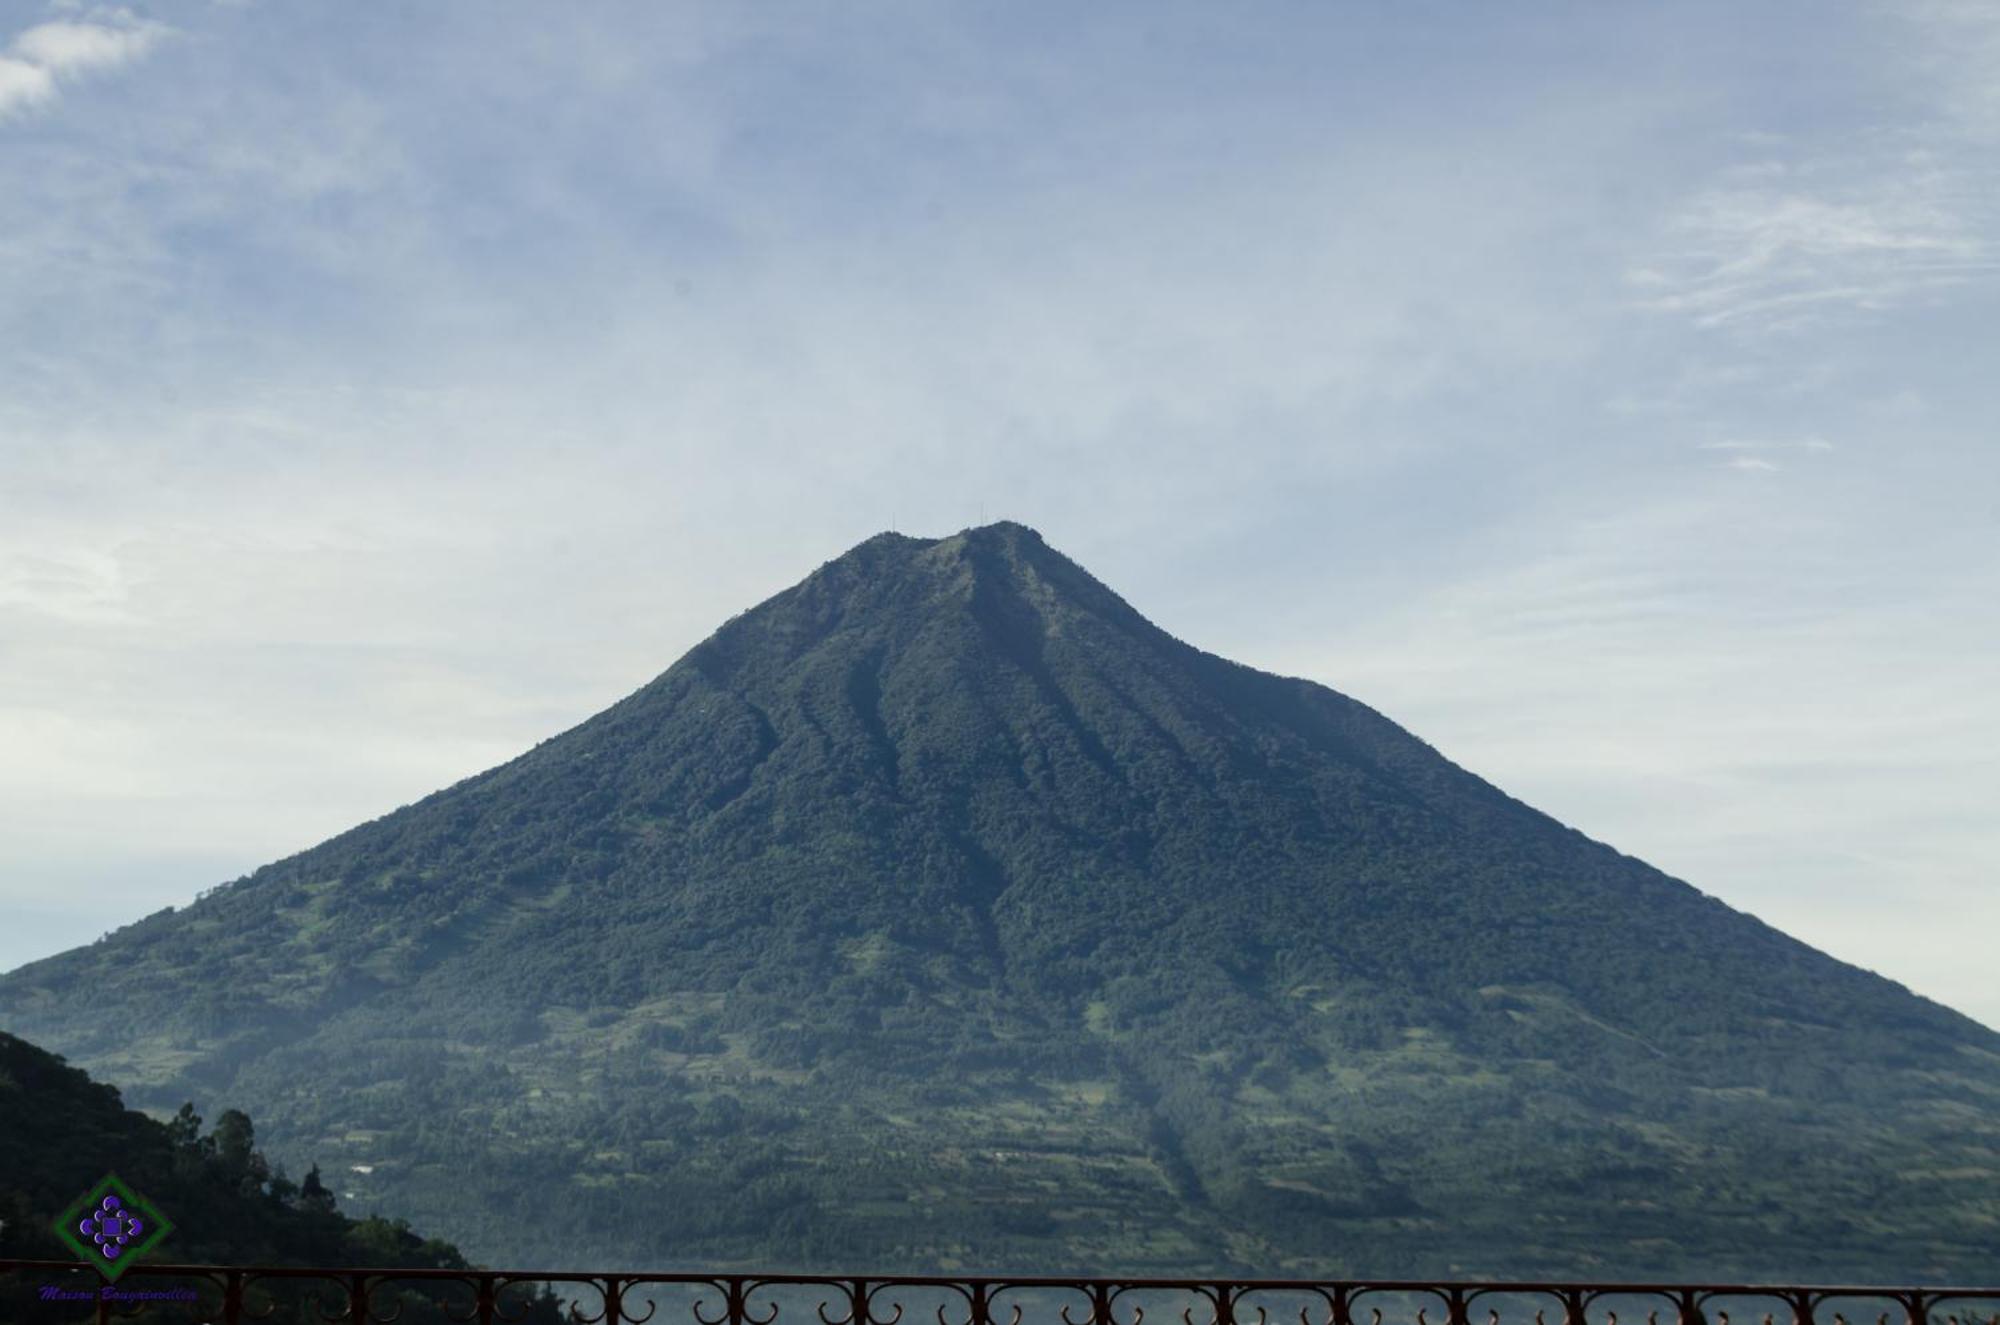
[{"x": 943, "y": 911}]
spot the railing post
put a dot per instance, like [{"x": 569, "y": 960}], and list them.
[{"x": 232, "y": 1297}]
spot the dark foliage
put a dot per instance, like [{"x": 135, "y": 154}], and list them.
[{"x": 60, "y": 1132}]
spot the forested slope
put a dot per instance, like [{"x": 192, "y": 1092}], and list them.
[{"x": 942, "y": 911}]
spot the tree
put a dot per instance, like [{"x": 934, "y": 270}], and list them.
[
  {"x": 236, "y": 1154},
  {"x": 184, "y": 1130},
  {"x": 235, "y": 1137},
  {"x": 313, "y": 1194},
  {"x": 283, "y": 1190}
]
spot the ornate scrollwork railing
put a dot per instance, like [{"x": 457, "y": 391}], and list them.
[{"x": 283, "y": 1295}]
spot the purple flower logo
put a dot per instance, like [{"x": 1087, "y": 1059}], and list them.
[{"x": 111, "y": 1226}]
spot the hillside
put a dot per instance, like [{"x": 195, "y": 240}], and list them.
[
  {"x": 60, "y": 1132},
  {"x": 942, "y": 911}
]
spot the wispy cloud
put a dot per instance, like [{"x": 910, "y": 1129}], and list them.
[
  {"x": 1750, "y": 444},
  {"x": 39, "y": 59},
  {"x": 1777, "y": 247},
  {"x": 1752, "y": 455},
  {"x": 1897, "y": 211},
  {"x": 1959, "y": 43}
]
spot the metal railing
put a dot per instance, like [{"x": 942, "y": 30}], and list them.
[{"x": 238, "y": 1295}]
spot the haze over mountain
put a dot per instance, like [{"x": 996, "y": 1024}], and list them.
[{"x": 941, "y": 911}]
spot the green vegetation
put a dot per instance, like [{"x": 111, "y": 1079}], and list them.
[
  {"x": 60, "y": 1132},
  {"x": 943, "y": 912}
]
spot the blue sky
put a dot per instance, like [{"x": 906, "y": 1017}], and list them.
[{"x": 1606, "y": 392}]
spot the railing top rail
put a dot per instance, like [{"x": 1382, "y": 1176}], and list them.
[{"x": 1238, "y": 1283}]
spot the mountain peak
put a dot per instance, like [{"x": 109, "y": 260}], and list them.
[
  {"x": 1005, "y": 538},
  {"x": 896, "y": 585},
  {"x": 1010, "y": 534}
]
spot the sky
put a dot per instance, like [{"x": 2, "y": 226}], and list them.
[{"x": 1604, "y": 392}]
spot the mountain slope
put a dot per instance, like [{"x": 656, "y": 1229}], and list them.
[{"x": 942, "y": 910}]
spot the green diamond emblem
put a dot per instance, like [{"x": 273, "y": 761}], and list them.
[{"x": 112, "y": 1226}]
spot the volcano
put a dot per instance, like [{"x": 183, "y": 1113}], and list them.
[{"x": 942, "y": 912}]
